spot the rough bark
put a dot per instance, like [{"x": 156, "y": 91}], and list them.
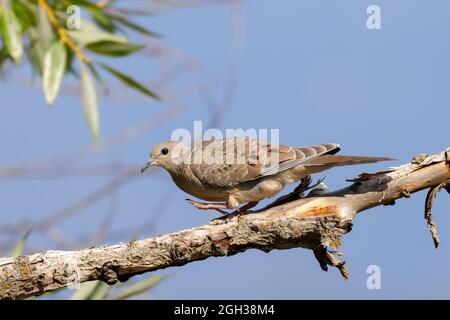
[{"x": 316, "y": 222}]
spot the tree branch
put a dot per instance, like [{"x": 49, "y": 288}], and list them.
[{"x": 316, "y": 222}]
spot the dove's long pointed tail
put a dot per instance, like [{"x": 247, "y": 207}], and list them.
[{"x": 338, "y": 160}]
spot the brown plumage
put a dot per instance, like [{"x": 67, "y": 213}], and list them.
[{"x": 237, "y": 171}]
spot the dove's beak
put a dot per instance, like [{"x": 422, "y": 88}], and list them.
[{"x": 148, "y": 165}]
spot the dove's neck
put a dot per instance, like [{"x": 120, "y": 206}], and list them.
[
  {"x": 182, "y": 172},
  {"x": 187, "y": 181},
  {"x": 183, "y": 175}
]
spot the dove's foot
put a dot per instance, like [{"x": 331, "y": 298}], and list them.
[
  {"x": 228, "y": 216},
  {"x": 303, "y": 185},
  {"x": 209, "y": 206},
  {"x": 316, "y": 188},
  {"x": 246, "y": 208}
]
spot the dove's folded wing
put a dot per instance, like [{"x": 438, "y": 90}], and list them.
[
  {"x": 229, "y": 162},
  {"x": 302, "y": 155}
]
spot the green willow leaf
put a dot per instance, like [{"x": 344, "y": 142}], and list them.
[
  {"x": 89, "y": 33},
  {"x": 136, "y": 27},
  {"x": 95, "y": 73},
  {"x": 25, "y": 16},
  {"x": 18, "y": 248},
  {"x": 85, "y": 3},
  {"x": 11, "y": 33},
  {"x": 44, "y": 28},
  {"x": 41, "y": 37},
  {"x": 114, "y": 49},
  {"x": 70, "y": 67},
  {"x": 135, "y": 236},
  {"x": 101, "y": 292},
  {"x": 3, "y": 56},
  {"x": 129, "y": 81},
  {"x": 139, "y": 287},
  {"x": 103, "y": 20},
  {"x": 87, "y": 290},
  {"x": 53, "y": 70},
  {"x": 89, "y": 101},
  {"x": 91, "y": 290}
]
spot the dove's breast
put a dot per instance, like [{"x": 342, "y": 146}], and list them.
[{"x": 191, "y": 185}]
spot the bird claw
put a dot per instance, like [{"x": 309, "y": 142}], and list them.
[
  {"x": 228, "y": 216},
  {"x": 304, "y": 185},
  {"x": 237, "y": 213},
  {"x": 319, "y": 189},
  {"x": 307, "y": 187}
]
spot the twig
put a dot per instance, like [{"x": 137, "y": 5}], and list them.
[
  {"x": 431, "y": 195},
  {"x": 62, "y": 33}
]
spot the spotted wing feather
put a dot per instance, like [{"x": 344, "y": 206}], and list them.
[{"x": 229, "y": 162}]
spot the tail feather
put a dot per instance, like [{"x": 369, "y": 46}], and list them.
[{"x": 338, "y": 160}]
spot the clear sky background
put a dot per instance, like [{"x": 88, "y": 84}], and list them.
[{"x": 311, "y": 69}]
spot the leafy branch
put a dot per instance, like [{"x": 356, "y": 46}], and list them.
[{"x": 39, "y": 30}]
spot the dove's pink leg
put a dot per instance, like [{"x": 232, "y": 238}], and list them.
[{"x": 207, "y": 206}]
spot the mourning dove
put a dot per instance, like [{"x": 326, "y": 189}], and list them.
[{"x": 235, "y": 171}]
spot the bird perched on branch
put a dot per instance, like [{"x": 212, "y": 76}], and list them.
[{"x": 237, "y": 171}]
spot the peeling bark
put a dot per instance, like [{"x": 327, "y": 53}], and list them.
[{"x": 317, "y": 222}]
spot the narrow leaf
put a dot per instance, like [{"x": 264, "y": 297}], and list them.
[
  {"x": 135, "y": 26},
  {"x": 41, "y": 37},
  {"x": 95, "y": 73},
  {"x": 89, "y": 33},
  {"x": 53, "y": 70},
  {"x": 103, "y": 20},
  {"x": 45, "y": 29},
  {"x": 3, "y": 56},
  {"x": 11, "y": 33},
  {"x": 114, "y": 49},
  {"x": 129, "y": 81},
  {"x": 85, "y": 3},
  {"x": 89, "y": 100},
  {"x": 139, "y": 287},
  {"x": 25, "y": 16},
  {"x": 89, "y": 291},
  {"x": 101, "y": 291},
  {"x": 18, "y": 248},
  {"x": 135, "y": 236}
]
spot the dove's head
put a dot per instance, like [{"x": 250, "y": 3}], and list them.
[{"x": 167, "y": 154}]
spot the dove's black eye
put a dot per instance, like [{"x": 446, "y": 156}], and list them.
[{"x": 164, "y": 151}]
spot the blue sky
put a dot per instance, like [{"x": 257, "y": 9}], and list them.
[{"x": 311, "y": 69}]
